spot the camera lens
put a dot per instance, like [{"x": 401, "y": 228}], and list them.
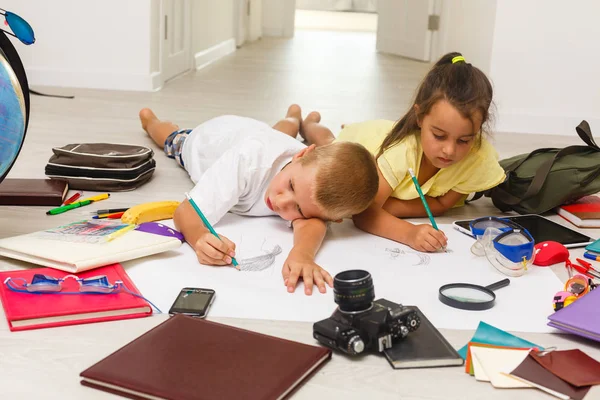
[{"x": 353, "y": 290}]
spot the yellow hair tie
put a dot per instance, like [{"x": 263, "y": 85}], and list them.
[{"x": 457, "y": 59}]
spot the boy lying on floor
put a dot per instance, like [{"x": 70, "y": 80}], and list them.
[{"x": 246, "y": 167}]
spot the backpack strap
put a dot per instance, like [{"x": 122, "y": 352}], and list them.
[
  {"x": 539, "y": 179},
  {"x": 585, "y": 133},
  {"x": 512, "y": 167}
]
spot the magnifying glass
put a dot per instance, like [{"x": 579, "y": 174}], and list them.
[{"x": 467, "y": 296}]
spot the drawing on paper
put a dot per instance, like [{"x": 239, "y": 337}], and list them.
[
  {"x": 421, "y": 258},
  {"x": 260, "y": 263}
]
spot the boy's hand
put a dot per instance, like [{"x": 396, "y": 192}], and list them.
[
  {"x": 212, "y": 251},
  {"x": 303, "y": 265},
  {"x": 426, "y": 238}
]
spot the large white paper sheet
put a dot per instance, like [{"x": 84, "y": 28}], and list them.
[{"x": 399, "y": 274}]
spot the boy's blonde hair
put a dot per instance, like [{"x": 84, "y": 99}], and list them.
[{"x": 346, "y": 180}]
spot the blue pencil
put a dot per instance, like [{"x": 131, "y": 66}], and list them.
[{"x": 207, "y": 224}]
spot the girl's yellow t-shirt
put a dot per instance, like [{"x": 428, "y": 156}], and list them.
[{"x": 478, "y": 171}]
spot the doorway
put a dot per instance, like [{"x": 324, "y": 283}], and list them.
[
  {"x": 175, "y": 28},
  {"x": 336, "y": 15},
  {"x": 408, "y": 28}
]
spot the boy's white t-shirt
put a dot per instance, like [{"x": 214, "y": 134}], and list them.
[{"x": 231, "y": 160}]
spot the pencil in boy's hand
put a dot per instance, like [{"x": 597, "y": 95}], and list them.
[{"x": 208, "y": 225}]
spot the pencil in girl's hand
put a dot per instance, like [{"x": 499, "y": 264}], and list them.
[
  {"x": 208, "y": 225},
  {"x": 422, "y": 196}
]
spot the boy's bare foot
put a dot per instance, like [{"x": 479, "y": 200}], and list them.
[
  {"x": 158, "y": 130},
  {"x": 294, "y": 111},
  {"x": 312, "y": 117},
  {"x": 147, "y": 116},
  {"x": 290, "y": 125}
]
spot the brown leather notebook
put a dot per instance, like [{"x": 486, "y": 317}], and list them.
[
  {"x": 189, "y": 358},
  {"x": 33, "y": 192}
]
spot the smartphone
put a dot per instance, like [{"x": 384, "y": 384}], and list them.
[
  {"x": 541, "y": 229},
  {"x": 193, "y": 301}
]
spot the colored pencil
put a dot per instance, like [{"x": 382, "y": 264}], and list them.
[
  {"x": 73, "y": 198},
  {"x": 207, "y": 224},
  {"x": 111, "y": 210},
  {"x": 422, "y": 196},
  {"x": 62, "y": 209}
]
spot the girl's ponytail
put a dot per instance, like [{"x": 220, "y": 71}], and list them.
[{"x": 464, "y": 86}]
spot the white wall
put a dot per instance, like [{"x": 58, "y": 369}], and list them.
[
  {"x": 278, "y": 17},
  {"x": 546, "y": 65},
  {"x": 214, "y": 29},
  {"x": 467, "y": 26},
  {"x": 86, "y": 43},
  {"x": 212, "y": 23},
  {"x": 112, "y": 44}
]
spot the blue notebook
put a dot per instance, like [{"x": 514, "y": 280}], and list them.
[
  {"x": 595, "y": 247},
  {"x": 489, "y": 334}
]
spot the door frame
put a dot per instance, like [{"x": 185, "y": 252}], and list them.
[{"x": 187, "y": 39}]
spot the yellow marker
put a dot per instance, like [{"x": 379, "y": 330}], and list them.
[
  {"x": 120, "y": 232},
  {"x": 99, "y": 197}
]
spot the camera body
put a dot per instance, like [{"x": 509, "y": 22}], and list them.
[{"x": 359, "y": 323}]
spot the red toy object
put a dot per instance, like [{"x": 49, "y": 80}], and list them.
[{"x": 549, "y": 253}]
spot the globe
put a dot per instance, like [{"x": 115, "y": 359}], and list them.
[{"x": 14, "y": 105}]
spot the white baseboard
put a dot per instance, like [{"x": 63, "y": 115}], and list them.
[
  {"x": 93, "y": 79},
  {"x": 543, "y": 124},
  {"x": 212, "y": 54}
]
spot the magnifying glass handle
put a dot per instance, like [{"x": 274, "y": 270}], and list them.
[{"x": 499, "y": 284}]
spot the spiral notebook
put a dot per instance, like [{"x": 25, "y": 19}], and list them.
[{"x": 76, "y": 256}]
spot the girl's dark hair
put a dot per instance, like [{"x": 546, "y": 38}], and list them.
[{"x": 461, "y": 84}]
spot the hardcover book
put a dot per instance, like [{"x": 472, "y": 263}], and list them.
[
  {"x": 33, "y": 192},
  {"x": 187, "y": 358},
  {"x": 32, "y": 311},
  {"x": 585, "y": 213},
  {"x": 580, "y": 317},
  {"x": 423, "y": 348},
  {"x": 61, "y": 252}
]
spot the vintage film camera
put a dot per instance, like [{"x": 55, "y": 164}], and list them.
[{"x": 359, "y": 323}]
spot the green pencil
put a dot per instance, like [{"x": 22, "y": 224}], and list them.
[
  {"x": 62, "y": 209},
  {"x": 207, "y": 224},
  {"x": 422, "y": 196}
]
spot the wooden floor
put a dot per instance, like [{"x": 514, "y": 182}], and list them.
[{"x": 339, "y": 74}]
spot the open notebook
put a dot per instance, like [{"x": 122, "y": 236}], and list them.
[{"x": 81, "y": 256}]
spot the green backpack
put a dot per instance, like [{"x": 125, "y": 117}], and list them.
[{"x": 546, "y": 178}]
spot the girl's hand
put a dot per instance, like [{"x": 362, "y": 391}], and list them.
[
  {"x": 426, "y": 238},
  {"x": 212, "y": 251}
]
